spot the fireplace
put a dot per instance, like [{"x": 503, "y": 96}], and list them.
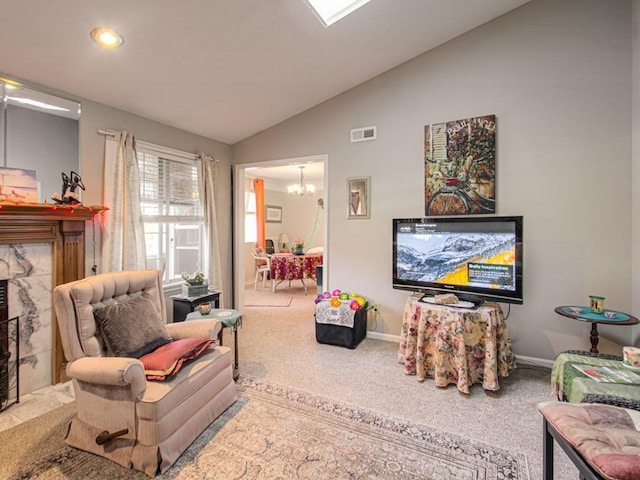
[
  {"x": 9, "y": 373},
  {"x": 41, "y": 246}
]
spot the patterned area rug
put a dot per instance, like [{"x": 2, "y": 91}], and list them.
[
  {"x": 276, "y": 432},
  {"x": 267, "y": 300}
]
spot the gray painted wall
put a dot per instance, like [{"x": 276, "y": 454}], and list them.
[
  {"x": 558, "y": 76},
  {"x": 96, "y": 117},
  {"x": 635, "y": 141}
]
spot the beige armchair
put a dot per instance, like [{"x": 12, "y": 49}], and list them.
[{"x": 121, "y": 415}]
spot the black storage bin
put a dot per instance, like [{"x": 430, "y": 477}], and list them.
[{"x": 335, "y": 333}]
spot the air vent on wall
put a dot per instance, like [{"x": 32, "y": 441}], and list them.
[{"x": 363, "y": 134}]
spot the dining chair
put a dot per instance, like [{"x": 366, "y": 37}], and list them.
[{"x": 263, "y": 266}]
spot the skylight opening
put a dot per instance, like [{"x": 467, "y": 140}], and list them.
[{"x": 330, "y": 11}]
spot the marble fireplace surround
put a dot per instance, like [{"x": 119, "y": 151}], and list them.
[{"x": 41, "y": 246}]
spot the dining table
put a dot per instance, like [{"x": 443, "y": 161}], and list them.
[{"x": 289, "y": 266}]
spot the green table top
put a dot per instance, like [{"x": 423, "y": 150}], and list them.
[
  {"x": 229, "y": 317},
  {"x": 571, "y": 382},
  {"x": 587, "y": 314}
]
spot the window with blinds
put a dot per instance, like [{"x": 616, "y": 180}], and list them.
[{"x": 171, "y": 213}]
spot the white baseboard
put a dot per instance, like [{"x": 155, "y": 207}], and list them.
[
  {"x": 387, "y": 337},
  {"x": 538, "y": 362}
]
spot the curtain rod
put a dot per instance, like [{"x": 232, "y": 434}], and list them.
[
  {"x": 112, "y": 134},
  {"x": 107, "y": 133}
]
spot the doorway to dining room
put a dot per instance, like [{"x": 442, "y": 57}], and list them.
[{"x": 288, "y": 217}]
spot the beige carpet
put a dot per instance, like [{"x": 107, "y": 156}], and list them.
[
  {"x": 278, "y": 345},
  {"x": 267, "y": 300},
  {"x": 274, "y": 431}
]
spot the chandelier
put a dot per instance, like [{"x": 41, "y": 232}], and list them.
[{"x": 301, "y": 189}]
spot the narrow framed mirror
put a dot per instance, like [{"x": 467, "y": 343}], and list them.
[{"x": 359, "y": 197}]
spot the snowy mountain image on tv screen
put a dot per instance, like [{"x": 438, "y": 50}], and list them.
[{"x": 445, "y": 258}]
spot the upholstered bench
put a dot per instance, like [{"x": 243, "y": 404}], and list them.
[{"x": 603, "y": 441}]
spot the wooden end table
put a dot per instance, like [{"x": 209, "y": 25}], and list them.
[
  {"x": 587, "y": 315},
  {"x": 183, "y": 305}
]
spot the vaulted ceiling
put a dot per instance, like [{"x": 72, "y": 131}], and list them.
[{"x": 224, "y": 69}]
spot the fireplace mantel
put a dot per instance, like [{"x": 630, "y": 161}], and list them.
[
  {"x": 63, "y": 226},
  {"x": 49, "y": 211}
]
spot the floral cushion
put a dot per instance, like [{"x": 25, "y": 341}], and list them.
[
  {"x": 166, "y": 361},
  {"x": 606, "y": 436}
]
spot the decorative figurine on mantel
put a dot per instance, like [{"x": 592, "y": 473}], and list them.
[{"x": 69, "y": 185}]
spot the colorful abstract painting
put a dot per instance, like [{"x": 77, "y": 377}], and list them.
[{"x": 460, "y": 167}]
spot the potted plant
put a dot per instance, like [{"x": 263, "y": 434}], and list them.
[
  {"x": 298, "y": 247},
  {"x": 195, "y": 279}
]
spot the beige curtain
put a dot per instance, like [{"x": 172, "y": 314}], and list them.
[
  {"x": 207, "y": 174},
  {"x": 123, "y": 246}
]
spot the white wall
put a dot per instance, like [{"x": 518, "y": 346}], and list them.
[
  {"x": 301, "y": 218},
  {"x": 557, "y": 75}
]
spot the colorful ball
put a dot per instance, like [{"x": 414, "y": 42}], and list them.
[
  {"x": 319, "y": 298},
  {"x": 335, "y": 302},
  {"x": 326, "y": 295},
  {"x": 361, "y": 301},
  {"x": 336, "y": 292},
  {"x": 354, "y": 305},
  {"x": 353, "y": 295},
  {"x": 344, "y": 296}
]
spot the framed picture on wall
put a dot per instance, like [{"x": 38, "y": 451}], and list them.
[
  {"x": 18, "y": 185},
  {"x": 460, "y": 167},
  {"x": 273, "y": 214},
  {"x": 358, "y": 197}
]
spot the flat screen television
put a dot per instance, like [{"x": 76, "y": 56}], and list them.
[{"x": 476, "y": 258}]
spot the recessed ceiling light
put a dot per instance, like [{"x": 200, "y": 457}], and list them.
[
  {"x": 106, "y": 37},
  {"x": 330, "y": 11}
]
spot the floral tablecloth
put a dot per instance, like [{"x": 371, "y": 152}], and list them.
[
  {"x": 287, "y": 266},
  {"x": 453, "y": 345}
]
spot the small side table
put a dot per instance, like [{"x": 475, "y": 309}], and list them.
[
  {"x": 229, "y": 318},
  {"x": 455, "y": 345},
  {"x": 596, "y": 318},
  {"x": 183, "y": 305}
]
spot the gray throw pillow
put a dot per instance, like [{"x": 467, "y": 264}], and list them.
[{"x": 131, "y": 328}]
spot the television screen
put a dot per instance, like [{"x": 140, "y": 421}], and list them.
[{"x": 476, "y": 258}]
